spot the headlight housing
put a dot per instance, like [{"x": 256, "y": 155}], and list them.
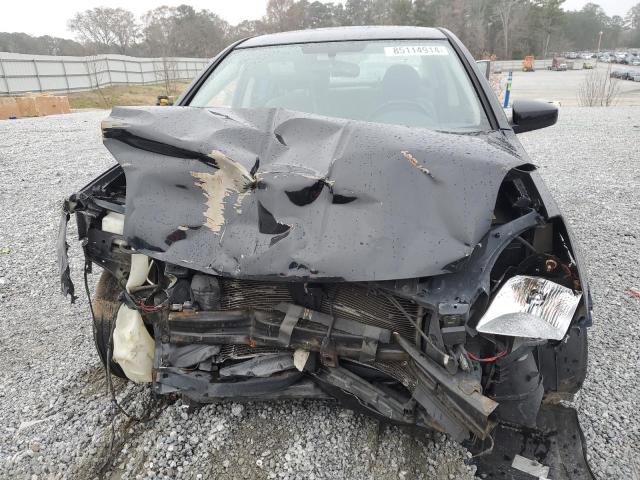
[{"x": 530, "y": 307}]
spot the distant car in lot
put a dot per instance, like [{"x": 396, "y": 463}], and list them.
[
  {"x": 586, "y": 56},
  {"x": 572, "y": 55},
  {"x": 557, "y": 65},
  {"x": 621, "y": 57},
  {"x": 624, "y": 74}
]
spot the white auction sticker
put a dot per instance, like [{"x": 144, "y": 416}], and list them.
[{"x": 409, "y": 50}]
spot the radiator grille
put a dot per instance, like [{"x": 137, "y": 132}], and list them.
[{"x": 353, "y": 301}]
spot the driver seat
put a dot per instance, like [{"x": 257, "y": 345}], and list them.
[
  {"x": 400, "y": 82},
  {"x": 401, "y": 100}
]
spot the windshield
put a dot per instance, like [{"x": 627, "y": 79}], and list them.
[{"x": 419, "y": 83}]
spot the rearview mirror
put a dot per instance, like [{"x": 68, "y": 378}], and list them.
[{"x": 531, "y": 115}]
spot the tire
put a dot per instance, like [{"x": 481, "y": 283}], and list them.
[{"x": 105, "y": 310}]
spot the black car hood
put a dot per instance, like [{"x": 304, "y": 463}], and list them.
[{"x": 263, "y": 193}]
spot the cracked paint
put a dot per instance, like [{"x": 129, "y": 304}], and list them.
[
  {"x": 231, "y": 177},
  {"x": 414, "y": 161}
]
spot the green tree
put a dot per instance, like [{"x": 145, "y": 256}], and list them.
[
  {"x": 401, "y": 12},
  {"x": 584, "y": 26},
  {"x": 280, "y": 15},
  {"x": 503, "y": 10},
  {"x": 550, "y": 15},
  {"x": 423, "y": 13},
  {"x": 358, "y": 12},
  {"x": 632, "y": 22}
]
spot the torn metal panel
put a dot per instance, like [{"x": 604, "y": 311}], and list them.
[
  {"x": 189, "y": 355},
  {"x": 530, "y": 466},
  {"x": 200, "y": 383},
  {"x": 557, "y": 443},
  {"x": 273, "y": 193},
  {"x": 62, "y": 247},
  {"x": 465, "y": 407},
  {"x": 387, "y": 406},
  {"x": 260, "y": 366}
]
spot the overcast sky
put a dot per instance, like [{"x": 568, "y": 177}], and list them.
[{"x": 50, "y": 17}]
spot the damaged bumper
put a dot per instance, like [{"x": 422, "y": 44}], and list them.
[{"x": 241, "y": 279}]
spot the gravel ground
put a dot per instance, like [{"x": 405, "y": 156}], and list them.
[{"x": 55, "y": 417}]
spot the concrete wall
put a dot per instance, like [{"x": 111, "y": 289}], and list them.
[{"x": 517, "y": 64}]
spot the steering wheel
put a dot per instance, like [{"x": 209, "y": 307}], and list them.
[{"x": 401, "y": 106}]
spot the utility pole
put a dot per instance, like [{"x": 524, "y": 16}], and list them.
[{"x": 599, "y": 40}]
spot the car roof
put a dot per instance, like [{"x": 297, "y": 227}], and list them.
[{"x": 337, "y": 34}]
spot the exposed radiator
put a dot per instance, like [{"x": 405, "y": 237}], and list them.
[{"x": 353, "y": 301}]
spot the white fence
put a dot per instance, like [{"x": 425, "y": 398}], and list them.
[{"x": 42, "y": 73}]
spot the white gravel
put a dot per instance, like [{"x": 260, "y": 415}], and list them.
[{"x": 54, "y": 412}]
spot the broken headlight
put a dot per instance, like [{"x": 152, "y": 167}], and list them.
[{"x": 530, "y": 307}]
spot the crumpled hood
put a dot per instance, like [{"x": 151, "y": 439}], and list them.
[{"x": 258, "y": 193}]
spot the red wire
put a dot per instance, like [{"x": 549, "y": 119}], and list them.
[
  {"x": 488, "y": 359},
  {"x": 147, "y": 308}
]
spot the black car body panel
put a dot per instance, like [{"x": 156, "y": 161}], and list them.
[
  {"x": 316, "y": 197},
  {"x": 266, "y": 253},
  {"x": 345, "y": 34}
]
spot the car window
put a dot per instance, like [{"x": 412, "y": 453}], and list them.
[{"x": 419, "y": 83}]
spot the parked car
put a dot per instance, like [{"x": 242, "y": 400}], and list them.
[
  {"x": 557, "y": 65},
  {"x": 622, "y": 74},
  {"x": 572, "y": 55},
  {"x": 621, "y": 57},
  {"x": 288, "y": 230}
]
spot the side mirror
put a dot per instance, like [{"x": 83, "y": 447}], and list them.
[{"x": 531, "y": 115}]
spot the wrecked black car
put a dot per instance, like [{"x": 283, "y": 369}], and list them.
[{"x": 344, "y": 213}]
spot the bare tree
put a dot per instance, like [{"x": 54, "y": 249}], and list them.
[
  {"x": 476, "y": 31},
  {"x": 504, "y": 10},
  {"x": 125, "y": 29},
  {"x": 158, "y": 31},
  {"x": 511, "y": 27},
  {"x": 550, "y": 15},
  {"x": 96, "y": 76},
  {"x": 168, "y": 76},
  {"x": 278, "y": 14},
  {"x": 598, "y": 89},
  {"x": 110, "y": 27}
]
